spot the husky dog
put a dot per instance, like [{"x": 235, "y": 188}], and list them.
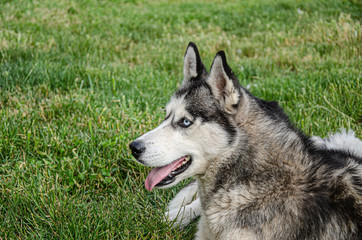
[{"x": 257, "y": 176}]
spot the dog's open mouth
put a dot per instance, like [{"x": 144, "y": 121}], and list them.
[{"x": 165, "y": 175}]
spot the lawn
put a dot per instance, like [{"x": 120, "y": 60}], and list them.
[{"x": 80, "y": 79}]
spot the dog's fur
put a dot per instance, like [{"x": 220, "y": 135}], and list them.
[{"x": 258, "y": 177}]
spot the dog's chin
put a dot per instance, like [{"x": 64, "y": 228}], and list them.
[{"x": 174, "y": 183}]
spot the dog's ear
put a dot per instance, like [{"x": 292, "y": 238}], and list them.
[
  {"x": 224, "y": 85},
  {"x": 194, "y": 69}
]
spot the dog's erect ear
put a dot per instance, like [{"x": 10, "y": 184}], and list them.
[
  {"x": 194, "y": 69},
  {"x": 223, "y": 83}
]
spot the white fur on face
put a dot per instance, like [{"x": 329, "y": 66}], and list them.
[{"x": 169, "y": 142}]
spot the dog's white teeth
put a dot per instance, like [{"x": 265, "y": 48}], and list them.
[
  {"x": 186, "y": 160},
  {"x": 183, "y": 162}
]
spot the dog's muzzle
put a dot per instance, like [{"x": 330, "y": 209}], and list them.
[{"x": 137, "y": 148}]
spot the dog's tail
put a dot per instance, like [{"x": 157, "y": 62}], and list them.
[
  {"x": 185, "y": 206},
  {"x": 343, "y": 141}
]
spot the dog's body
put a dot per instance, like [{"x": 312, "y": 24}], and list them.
[
  {"x": 186, "y": 205},
  {"x": 258, "y": 177}
]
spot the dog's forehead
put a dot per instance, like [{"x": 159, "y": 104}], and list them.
[
  {"x": 195, "y": 100},
  {"x": 176, "y": 104}
]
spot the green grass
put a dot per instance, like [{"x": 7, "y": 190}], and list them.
[{"x": 80, "y": 79}]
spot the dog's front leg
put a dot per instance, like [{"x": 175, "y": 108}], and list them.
[{"x": 185, "y": 206}]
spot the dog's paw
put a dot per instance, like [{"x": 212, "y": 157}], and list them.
[
  {"x": 186, "y": 196},
  {"x": 183, "y": 216},
  {"x": 185, "y": 206}
]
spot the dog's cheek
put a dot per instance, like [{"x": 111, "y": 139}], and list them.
[{"x": 213, "y": 139}]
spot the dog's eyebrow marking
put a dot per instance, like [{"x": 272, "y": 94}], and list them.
[{"x": 168, "y": 116}]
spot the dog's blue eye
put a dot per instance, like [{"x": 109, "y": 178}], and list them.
[{"x": 185, "y": 123}]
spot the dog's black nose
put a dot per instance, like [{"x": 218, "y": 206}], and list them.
[{"x": 137, "y": 148}]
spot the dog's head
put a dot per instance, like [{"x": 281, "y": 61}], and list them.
[{"x": 198, "y": 126}]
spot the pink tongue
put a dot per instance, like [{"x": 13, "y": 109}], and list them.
[{"x": 159, "y": 173}]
